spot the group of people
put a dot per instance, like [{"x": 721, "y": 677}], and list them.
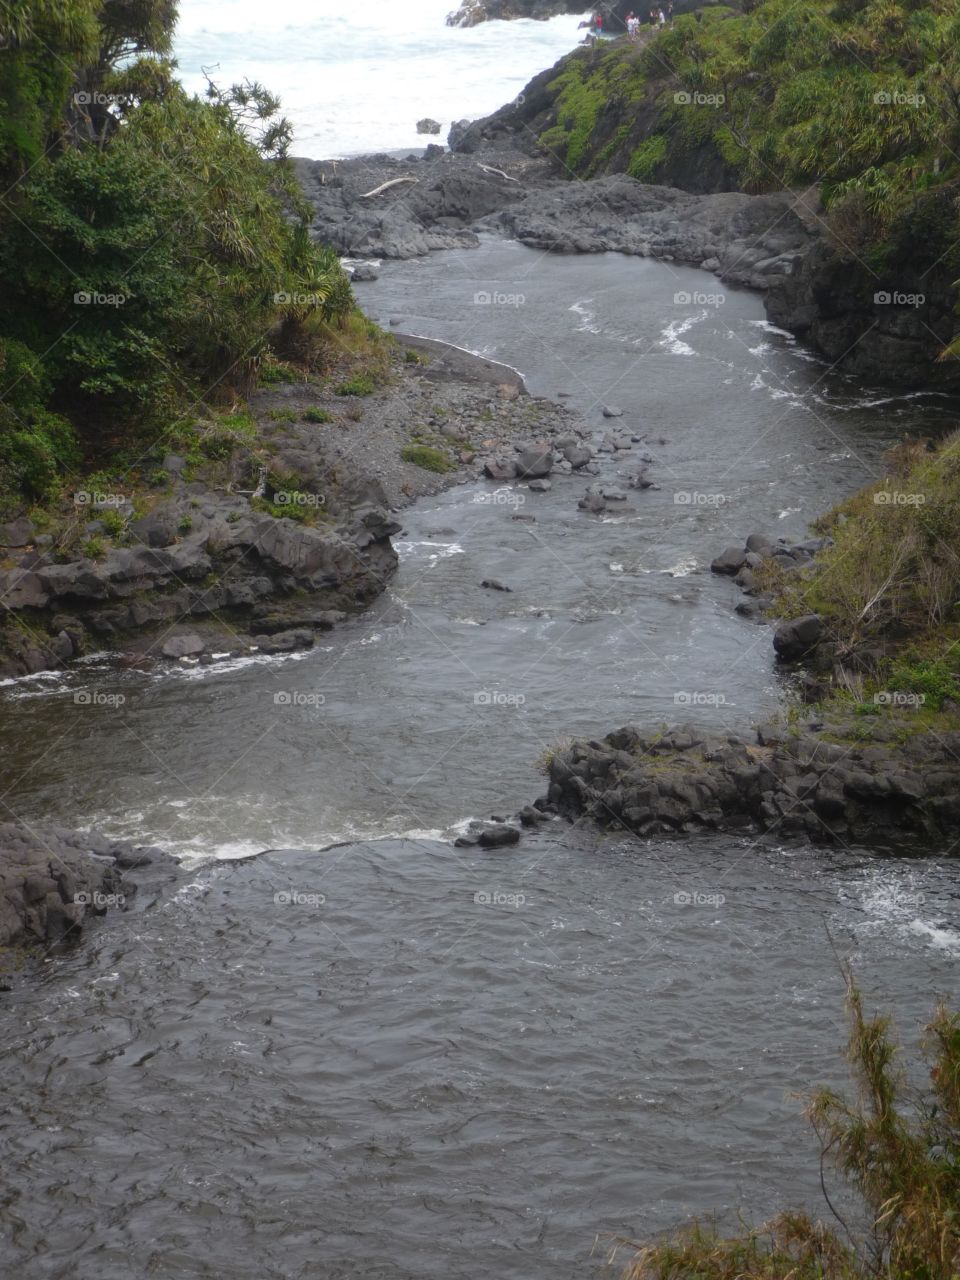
[{"x": 659, "y": 17}]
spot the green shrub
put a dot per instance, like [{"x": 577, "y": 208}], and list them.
[
  {"x": 282, "y": 415},
  {"x": 113, "y": 523},
  {"x": 317, "y": 415},
  {"x": 900, "y": 1154},
  {"x": 358, "y": 384},
  {"x": 94, "y": 548},
  {"x": 422, "y": 455},
  {"x": 935, "y": 679},
  {"x": 275, "y": 372},
  {"x": 184, "y": 524},
  {"x": 647, "y": 158}
]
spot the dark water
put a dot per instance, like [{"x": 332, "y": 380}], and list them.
[{"x": 405, "y": 1079}]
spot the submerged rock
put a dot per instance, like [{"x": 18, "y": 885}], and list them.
[{"x": 488, "y": 835}]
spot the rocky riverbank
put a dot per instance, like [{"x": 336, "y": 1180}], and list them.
[
  {"x": 281, "y": 533},
  {"x": 444, "y": 201},
  {"x": 831, "y": 781},
  {"x": 53, "y": 881}
]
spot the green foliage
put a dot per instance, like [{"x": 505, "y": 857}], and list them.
[
  {"x": 35, "y": 444},
  {"x": 858, "y": 98},
  {"x": 935, "y": 679},
  {"x": 282, "y": 415},
  {"x": 895, "y": 561},
  {"x": 422, "y": 455},
  {"x": 648, "y": 157},
  {"x": 900, "y": 1154},
  {"x": 113, "y": 523},
  {"x": 274, "y": 372},
  {"x": 358, "y": 384},
  {"x": 94, "y": 548},
  {"x": 154, "y": 247},
  {"x": 317, "y": 415},
  {"x": 294, "y": 510}
]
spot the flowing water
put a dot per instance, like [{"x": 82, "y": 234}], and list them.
[{"x": 398, "y": 1059}]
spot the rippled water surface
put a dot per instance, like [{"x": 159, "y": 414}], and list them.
[{"x": 398, "y": 1059}]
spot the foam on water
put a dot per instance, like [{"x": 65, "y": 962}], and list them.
[
  {"x": 671, "y": 336},
  {"x": 356, "y": 81}
]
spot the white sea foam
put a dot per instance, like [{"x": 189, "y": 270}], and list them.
[
  {"x": 405, "y": 62},
  {"x": 671, "y": 336}
]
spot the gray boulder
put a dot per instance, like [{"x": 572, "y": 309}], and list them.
[
  {"x": 186, "y": 645},
  {"x": 19, "y": 533},
  {"x": 488, "y": 835},
  {"x": 578, "y": 455},
  {"x": 500, "y": 469},
  {"x": 729, "y": 561},
  {"x": 793, "y": 640},
  {"x": 535, "y": 463}
]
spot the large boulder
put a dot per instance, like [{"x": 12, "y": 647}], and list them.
[
  {"x": 535, "y": 463},
  {"x": 795, "y": 639},
  {"x": 578, "y": 455},
  {"x": 729, "y": 561}
]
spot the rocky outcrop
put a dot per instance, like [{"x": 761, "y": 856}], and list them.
[
  {"x": 53, "y": 881},
  {"x": 780, "y": 782},
  {"x": 747, "y": 240},
  {"x": 436, "y": 209},
  {"x": 231, "y": 562},
  {"x": 472, "y": 12},
  {"x": 886, "y": 326}
]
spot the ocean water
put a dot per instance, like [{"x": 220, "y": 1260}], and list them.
[{"x": 356, "y": 81}]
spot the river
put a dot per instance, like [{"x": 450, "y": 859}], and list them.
[{"x": 398, "y": 1059}]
